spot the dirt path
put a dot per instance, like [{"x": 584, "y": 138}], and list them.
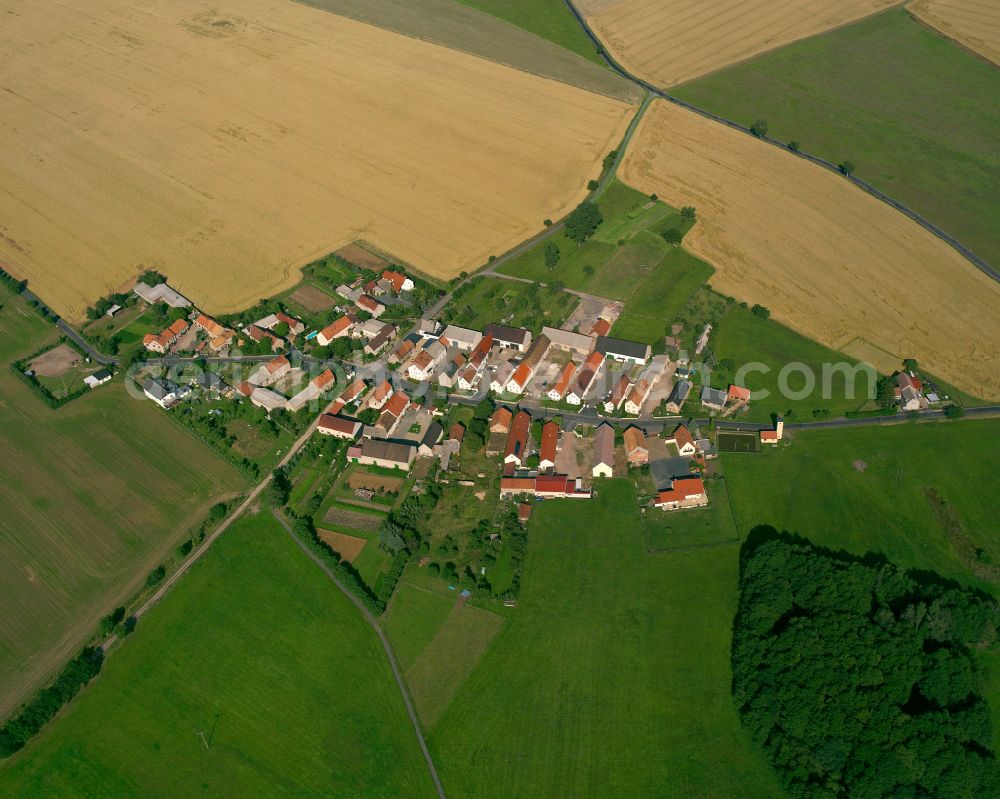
[{"x": 393, "y": 663}]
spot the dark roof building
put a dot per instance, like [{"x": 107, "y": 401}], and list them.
[{"x": 621, "y": 350}]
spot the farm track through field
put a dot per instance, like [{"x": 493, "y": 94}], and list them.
[
  {"x": 393, "y": 663},
  {"x": 864, "y": 185}
]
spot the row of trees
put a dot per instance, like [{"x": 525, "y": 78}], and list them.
[
  {"x": 857, "y": 679},
  {"x": 759, "y": 128}
]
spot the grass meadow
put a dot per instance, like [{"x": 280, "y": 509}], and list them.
[
  {"x": 94, "y": 494},
  {"x": 612, "y": 676},
  {"x": 511, "y": 302},
  {"x": 260, "y": 651},
  {"x": 915, "y": 113},
  {"x": 628, "y": 260}
]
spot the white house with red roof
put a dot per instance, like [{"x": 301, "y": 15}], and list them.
[{"x": 684, "y": 492}]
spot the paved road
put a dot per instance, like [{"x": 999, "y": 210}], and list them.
[
  {"x": 966, "y": 253},
  {"x": 389, "y": 653}
]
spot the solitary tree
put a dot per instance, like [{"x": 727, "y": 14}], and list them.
[
  {"x": 793, "y": 145},
  {"x": 846, "y": 167},
  {"x": 672, "y": 236},
  {"x": 761, "y": 311},
  {"x": 688, "y": 212},
  {"x": 551, "y": 254},
  {"x": 583, "y": 221},
  {"x": 592, "y": 185},
  {"x": 759, "y": 128}
]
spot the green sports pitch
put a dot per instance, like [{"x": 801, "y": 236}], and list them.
[{"x": 732, "y": 441}]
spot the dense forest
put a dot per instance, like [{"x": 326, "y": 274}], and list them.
[{"x": 859, "y": 679}]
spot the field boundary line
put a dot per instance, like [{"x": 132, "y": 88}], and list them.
[
  {"x": 369, "y": 617},
  {"x": 864, "y": 185}
]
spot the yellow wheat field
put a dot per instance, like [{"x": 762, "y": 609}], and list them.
[
  {"x": 667, "y": 42},
  {"x": 227, "y": 143},
  {"x": 829, "y": 260},
  {"x": 972, "y": 23}
]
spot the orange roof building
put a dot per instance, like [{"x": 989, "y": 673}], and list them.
[
  {"x": 558, "y": 391},
  {"x": 684, "y": 492},
  {"x": 500, "y": 420},
  {"x": 517, "y": 439},
  {"x": 550, "y": 445},
  {"x": 739, "y": 394},
  {"x": 212, "y": 328}
]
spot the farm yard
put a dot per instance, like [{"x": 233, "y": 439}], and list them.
[
  {"x": 95, "y": 495},
  {"x": 802, "y": 241},
  {"x": 210, "y": 197},
  {"x": 972, "y": 23},
  {"x": 253, "y": 643},
  {"x": 927, "y": 135},
  {"x": 667, "y": 42}
]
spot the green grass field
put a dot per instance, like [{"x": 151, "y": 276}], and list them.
[
  {"x": 550, "y": 19},
  {"x": 612, "y": 676},
  {"x": 694, "y": 527},
  {"x": 413, "y": 619},
  {"x": 512, "y": 302},
  {"x": 741, "y": 339},
  {"x": 914, "y": 112},
  {"x": 628, "y": 260},
  {"x": 95, "y": 495},
  {"x": 258, "y": 649},
  {"x": 814, "y": 487}
]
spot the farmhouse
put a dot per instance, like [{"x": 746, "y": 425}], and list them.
[
  {"x": 429, "y": 439},
  {"x": 909, "y": 389},
  {"x": 618, "y": 394},
  {"x": 164, "y": 340},
  {"x": 98, "y": 378},
  {"x": 517, "y": 439},
  {"x": 549, "y": 447},
  {"x": 461, "y": 337},
  {"x": 387, "y": 454},
  {"x": 512, "y": 338},
  {"x": 398, "y": 281},
  {"x": 773, "y": 436},
  {"x": 684, "y": 492},
  {"x": 559, "y": 388},
  {"x": 267, "y": 399},
  {"x": 271, "y": 372},
  {"x": 500, "y": 420},
  {"x": 678, "y": 396},
  {"x": 683, "y": 440},
  {"x": 714, "y": 398},
  {"x": 568, "y": 341},
  {"x": 338, "y": 427},
  {"x": 212, "y": 328},
  {"x": 636, "y": 448},
  {"x": 588, "y": 375},
  {"x": 637, "y": 397},
  {"x": 604, "y": 451},
  {"x": 336, "y": 330},
  {"x": 161, "y": 293},
  {"x": 625, "y": 351}
]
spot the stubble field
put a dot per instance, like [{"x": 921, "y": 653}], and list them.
[
  {"x": 228, "y": 145},
  {"x": 829, "y": 261},
  {"x": 972, "y": 23},
  {"x": 667, "y": 42}
]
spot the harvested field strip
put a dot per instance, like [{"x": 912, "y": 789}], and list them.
[
  {"x": 349, "y": 546},
  {"x": 667, "y": 42},
  {"x": 458, "y": 27},
  {"x": 338, "y": 516},
  {"x": 163, "y": 145},
  {"x": 443, "y": 666},
  {"x": 972, "y": 23},
  {"x": 829, "y": 260},
  {"x": 313, "y": 299},
  {"x": 374, "y": 482}
]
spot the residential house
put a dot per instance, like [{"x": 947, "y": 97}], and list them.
[
  {"x": 161, "y": 293},
  {"x": 773, "y": 436},
  {"x": 586, "y": 378},
  {"x": 337, "y": 329},
  {"x": 561, "y": 386},
  {"x": 516, "y": 450},
  {"x": 684, "y": 492},
  {"x": 714, "y": 398},
  {"x": 683, "y": 440},
  {"x": 429, "y": 440},
  {"x": 500, "y": 378},
  {"x": 428, "y": 328},
  {"x": 220, "y": 342},
  {"x": 457, "y": 432},
  {"x": 467, "y": 378},
  {"x": 368, "y": 329},
  {"x": 604, "y": 451},
  {"x": 387, "y": 454},
  {"x": 347, "y": 396},
  {"x": 98, "y": 378},
  {"x": 398, "y": 280},
  {"x": 481, "y": 353},
  {"x": 379, "y": 396},
  {"x": 637, "y": 397},
  {"x": 511, "y": 338},
  {"x": 549, "y": 447},
  {"x": 402, "y": 351},
  {"x": 568, "y": 341},
  {"x": 636, "y": 447},
  {"x": 271, "y": 372},
  {"x": 526, "y": 369},
  {"x": 909, "y": 389},
  {"x": 678, "y": 396},
  {"x": 259, "y": 334},
  {"x": 211, "y": 328},
  {"x": 461, "y": 337},
  {"x": 625, "y": 351},
  {"x": 421, "y": 367},
  {"x": 338, "y": 427},
  {"x": 295, "y": 326},
  {"x": 738, "y": 394},
  {"x": 378, "y": 342},
  {"x": 392, "y": 413},
  {"x": 618, "y": 394},
  {"x": 209, "y": 382},
  {"x": 165, "y": 339},
  {"x": 448, "y": 376},
  {"x": 371, "y": 305},
  {"x": 500, "y": 420}
]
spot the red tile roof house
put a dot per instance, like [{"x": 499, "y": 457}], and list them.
[
  {"x": 500, "y": 420},
  {"x": 684, "y": 492},
  {"x": 162, "y": 342},
  {"x": 379, "y": 396},
  {"x": 404, "y": 349},
  {"x": 739, "y": 394},
  {"x": 313, "y": 390},
  {"x": 637, "y": 397},
  {"x": 773, "y": 436},
  {"x": 400, "y": 282},
  {"x": 517, "y": 439},
  {"x": 271, "y": 372},
  {"x": 588, "y": 374},
  {"x": 336, "y": 330},
  {"x": 604, "y": 451},
  {"x": 684, "y": 441},
  {"x": 618, "y": 394},
  {"x": 372, "y": 306},
  {"x": 257, "y": 334},
  {"x": 549, "y": 447},
  {"x": 212, "y": 328},
  {"x": 295, "y": 326},
  {"x": 558, "y": 390},
  {"x": 518, "y": 381},
  {"x": 338, "y": 427},
  {"x": 457, "y": 432},
  {"x": 392, "y": 413},
  {"x": 636, "y": 449}
]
